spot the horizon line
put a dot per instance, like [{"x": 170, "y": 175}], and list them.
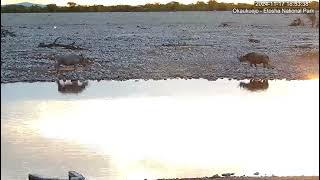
[{"x": 251, "y": 2}]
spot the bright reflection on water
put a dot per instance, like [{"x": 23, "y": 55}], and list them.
[{"x": 153, "y": 129}]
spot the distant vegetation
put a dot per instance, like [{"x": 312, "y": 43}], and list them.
[{"x": 171, "y": 6}]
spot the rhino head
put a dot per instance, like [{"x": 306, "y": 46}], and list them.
[
  {"x": 83, "y": 60},
  {"x": 242, "y": 58}
]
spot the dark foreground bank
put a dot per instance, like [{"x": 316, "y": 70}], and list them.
[{"x": 251, "y": 178}]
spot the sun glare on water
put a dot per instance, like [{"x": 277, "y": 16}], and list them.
[{"x": 203, "y": 132}]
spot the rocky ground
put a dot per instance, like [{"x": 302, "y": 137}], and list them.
[{"x": 157, "y": 46}]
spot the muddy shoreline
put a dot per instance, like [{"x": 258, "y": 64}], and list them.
[{"x": 161, "y": 49}]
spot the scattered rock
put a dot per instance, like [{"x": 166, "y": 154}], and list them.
[
  {"x": 253, "y": 40},
  {"x": 225, "y": 24},
  {"x": 72, "y": 176}
]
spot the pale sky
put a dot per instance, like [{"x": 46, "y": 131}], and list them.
[{"x": 111, "y": 2}]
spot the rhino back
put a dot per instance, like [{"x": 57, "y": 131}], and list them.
[
  {"x": 68, "y": 59},
  {"x": 258, "y": 58}
]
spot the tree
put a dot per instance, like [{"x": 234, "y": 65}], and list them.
[
  {"x": 200, "y": 5},
  {"x": 35, "y": 8},
  {"x": 98, "y": 8},
  {"x": 71, "y": 4},
  {"x": 212, "y": 4},
  {"x": 173, "y": 5},
  {"x": 52, "y": 7},
  {"x": 222, "y": 6}
]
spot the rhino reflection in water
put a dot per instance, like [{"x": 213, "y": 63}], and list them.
[
  {"x": 73, "y": 86},
  {"x": 255, "y": 85}
]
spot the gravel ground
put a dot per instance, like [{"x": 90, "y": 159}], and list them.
[{"x": 157, "y": 46}]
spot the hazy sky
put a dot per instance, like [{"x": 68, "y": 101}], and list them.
[{"x": 111, "y": 2}]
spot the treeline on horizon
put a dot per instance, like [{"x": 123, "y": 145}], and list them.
[{"x": 211, "y": 5}]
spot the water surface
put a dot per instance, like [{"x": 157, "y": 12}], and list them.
[{"x": 155, "y": 129}]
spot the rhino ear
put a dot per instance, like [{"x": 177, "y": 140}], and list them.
[
  {"x": 51, "y": 56},
  {"x": 81, "y": 56}
]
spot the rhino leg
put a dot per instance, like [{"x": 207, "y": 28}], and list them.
[{"x": 57, "y": 65}]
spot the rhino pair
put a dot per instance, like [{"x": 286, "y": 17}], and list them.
[{"x": 73, "y": 59}]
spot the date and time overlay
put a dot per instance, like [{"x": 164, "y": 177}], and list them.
[{"x": 277, "y": 7}]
